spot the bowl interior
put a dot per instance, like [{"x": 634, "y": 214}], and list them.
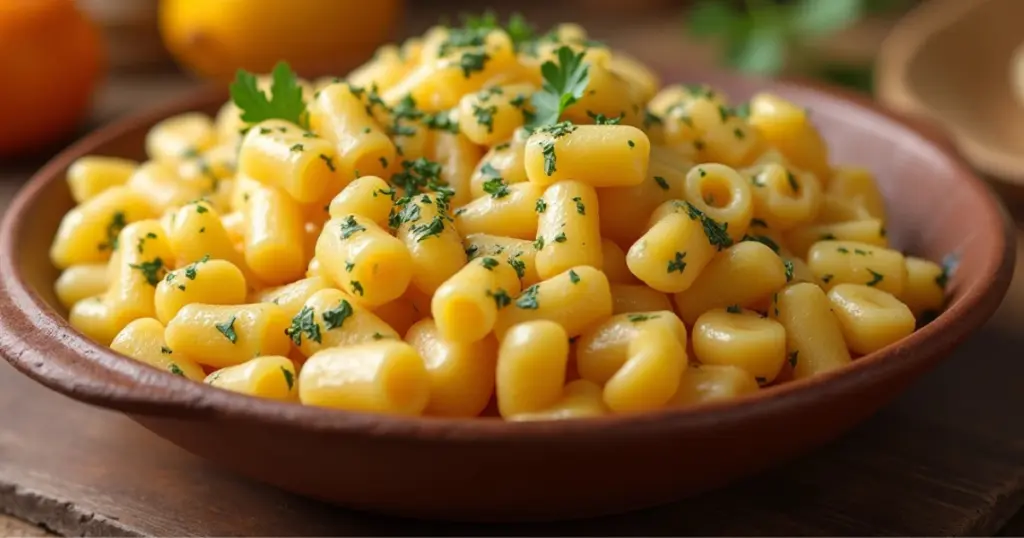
[{"x": 936, "y": 208}]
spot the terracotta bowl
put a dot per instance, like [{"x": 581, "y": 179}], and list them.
[{"x": 488, "y": 470}]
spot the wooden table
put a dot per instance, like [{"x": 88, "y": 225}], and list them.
[{"x": 945, "y": 459}]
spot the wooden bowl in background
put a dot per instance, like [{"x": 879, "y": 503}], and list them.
[
  {"x": 478, "y": 469},
  {"x": 951, "y": 61}
]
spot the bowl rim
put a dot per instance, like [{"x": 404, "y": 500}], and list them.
[{"x": 40, "y": 343}]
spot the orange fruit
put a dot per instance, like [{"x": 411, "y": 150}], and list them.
[
  {"x": 317, "y": 37},
  {"x": 51, "y": 57}
]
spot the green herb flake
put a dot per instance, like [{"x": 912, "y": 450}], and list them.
[
  {"x": 349, "y": 227},
  {"x": 661, "y": 182},
  {"x": 485, "y": 116},
  {"x": 580, "y": 208},
  {"x": 734, "y": 309},
  {"x": 548, "y": 150},
  {"x": 538, "y": 244},
  {"x": 349, "y": 266},
  {"x": 793, "y": 358},
  {"x": 715, "y": 231},
  {"x": 541, "y": 206},
  {"x": 166, "y": 350},
  {"x": 289, "y": 377},
  {"x": 357, "y": 287},
  {"x": 336, "y": 316},
  {"x": 573, "y": 277},
  {"x": 843, "y": 250},
  {"x": 228, "y": 330},
  {"x": 501, "y": 298},
  {"x": 304, "y": 323},
  {"x": 528, "y": 299},
  {"x": 422, "y": 232},
  {"x": 328, "y": 161},
  {"x": 114, "y": 227},
  {"x": 471, "y": 62},
  {"x": 875, "y": 278},
  {"x": 152, "y": 270},
  {"x": 175, "y": 369},
  {"x": 631, "y": 144},
  {"x": 678, "y": 264},
  {"x": 297, "y": 148},
  {"x": 601, "y": 119},
  {"x": 792, "y": 182},
  {"x": 496, "y": 188},
  {"x": 789, "y": 269},
  {"x": 860, "y": 252},
  {"x": 827, "y": 277},
  {"x": 560, "y": 238},
  {"x": 489, "y": 263}
]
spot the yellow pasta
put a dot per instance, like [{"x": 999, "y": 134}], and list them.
[
  {"x": 482, "y": 221},
  {"x": 461, "y": 374},
  {"x": 598, "y": 155},
  {"x": 531, "y": 367},
  {"x": 280, "y": 154},
  {"x": 220, "y": 336},
  {"x": 568, "y": 230},
  {"x": 869, "y": 317},
  {"x": 91, "y": 175},
  {"x": 364, "y": 260},
  {"x": 850, "y": 262},
  {"x": 466, "y": 305},
  {"x": 386, "y": 376},
  {"x": 271, "y": 377},
  {"x": 574, "y": 299},
  {"x": 143, "y": 340}
]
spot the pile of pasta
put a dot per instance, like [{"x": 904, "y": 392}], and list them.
[{"x": 487, "y": 222}]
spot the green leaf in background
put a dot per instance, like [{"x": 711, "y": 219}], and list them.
[
  {"x": 762, "y": 51},
  {"x": 711, "y": 19},
  {"x": 817, "y": 17}
]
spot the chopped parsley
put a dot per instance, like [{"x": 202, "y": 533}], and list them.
[
  {"x": 304, "y": 323},
  {"x": 501, "y": 298},
  {"x": 422, "y": 232},
  {"x": 560, "y": 238},
  {"x": 349, "y": 226},
  {"x": 349, "y": 266},
  {"x": 142, "y": 241},
  {"x": 677, "y": 264},
  {"x": 631, "y": 144},
  {"x": 651, "y": 119},
  {"x": 556, "y": 131},
  {"x": 441, "y": 121},
  {"x": 418, "y": 174},
  {"x": 336, "y": 316},
  {"x": 114, "y": 227},
  {"x": 573, "y": 277},
  {"x": 661, "y": 182},
  {"x": 489, "y": 263},
  {"x": 471, "y": 62},
  {"x": 875, "y": 278},
  {"x": 383, "y": 162},
  {"x": 541, "y": 206},
  {"x": 860, "y": 252},
  {"x": 517, "y": 264},
  {"x": 528, "y": 299},
  {"x": 328, "y": 161},
  {"x": 538, "y": 244},
  {"x": 228, "y": 329},
  {"x": 166, "y": 350},
  {"x": 485, "y": 116},
  {"x": 789, "y": 269},
  {"x": 793, "y": 358},
  {"x": 357, "y": 287},
  {"x": 288, "y": 377},
  {"x": 296, "y": 148},
  {"x": 580, "y": 208},
  {"x": 792, "y": 182},
  {"x": 285, "y": 101},
  {"x": 827, "y": 277},
  {"x": 496, "y": 187},
  {"x": 843, "y": 250},
  {"x": 152, "y": 270},
  {"x": 601, "y": 119},
  {"x": 715, "y": 231},
  {"x": 175, "y": 369},
  {"x": 734, "y": 309}
]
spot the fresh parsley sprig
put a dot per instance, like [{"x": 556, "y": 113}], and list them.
[
  {"x": 285, "y": 101},
  {"x": 564, "y": 84}
]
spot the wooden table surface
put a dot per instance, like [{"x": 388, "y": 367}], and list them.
[{"x": 945, "y": 459}]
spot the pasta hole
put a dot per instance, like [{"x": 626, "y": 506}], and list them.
[{"x": 716, "y": 192}]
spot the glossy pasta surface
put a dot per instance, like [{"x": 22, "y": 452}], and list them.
[{"x": 487, "y": 222}]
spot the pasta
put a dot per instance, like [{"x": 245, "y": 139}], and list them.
[{"x": 480, "y": 219}]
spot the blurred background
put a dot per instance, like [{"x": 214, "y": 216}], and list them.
[{"x": 956, "y": 66}]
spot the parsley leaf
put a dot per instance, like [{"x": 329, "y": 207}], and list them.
[
  {"x": 289, "y": 377},
  {"x": 304, "y": 323},
  {"x": 152, "y": 270},
  {"x": 114, "y": 227},
  {"x": 496, "y": 187},
  {"x": 349, "y": 226},
  {"x": 573, "y": 277},
  {"x": 285, "y": 102},
  {"x": 638, "y": 318},
  {"x": 501, "y": 298},
  {"x": 336, "y": 316},
  {"x": 714, "y": 230},
  {"x": 601, "y": 119},
  {"x": 528, "y": 299},
  {"x": 228, "y": 329},
  {"x": 564, "y": 84}
]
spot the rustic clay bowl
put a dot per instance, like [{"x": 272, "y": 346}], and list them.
[
  {"x": 953, "y": 62},
  {"x": 487, "y": 469}
]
